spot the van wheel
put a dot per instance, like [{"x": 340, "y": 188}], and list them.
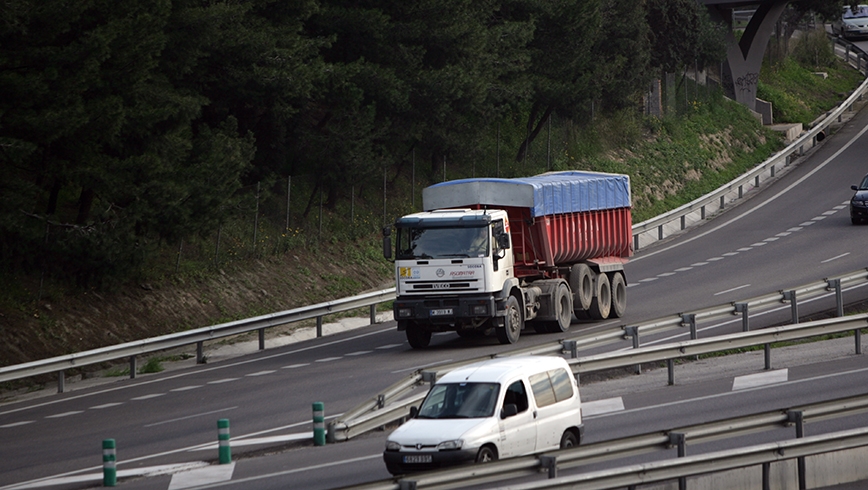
[
  {"x": 486, "y": 454},
  {"x": 602, "y": 303},
  {"x": 563, "y": 303},
  {"x": 618, "y": 285},
  {"x": 569, "y": 439},
  {"x": 512, "y": 323},
  {"x": 418, "y": 337}
]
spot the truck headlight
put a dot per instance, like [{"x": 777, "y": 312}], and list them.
[
  {"x": 450, "y": 445},
  {"x": 480, "y": 310},
  {"x": 392, "y": 446},
  {"x": 404, "y": 312}
]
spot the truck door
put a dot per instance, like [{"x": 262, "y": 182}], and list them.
[{"x": 517, "y": 432}]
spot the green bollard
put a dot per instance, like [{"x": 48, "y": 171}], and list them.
[
  {"x": 319, "y": 432},
  {"x": 109, "y": 461},
  {"x": 223, "y": 441}
]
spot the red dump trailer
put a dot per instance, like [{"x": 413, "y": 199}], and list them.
[{"x": 496, "y": 254}]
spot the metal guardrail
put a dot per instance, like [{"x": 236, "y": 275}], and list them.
[
  {"x": 196, "y": 336},
  {"x": 385, "y": 408},
  {"x": 551, "y": 461},
  {"x": 696, "y": 211}
]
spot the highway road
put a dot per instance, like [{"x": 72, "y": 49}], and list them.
[{"x": 793, "y": 231}]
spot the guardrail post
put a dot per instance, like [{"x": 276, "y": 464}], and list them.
[
  {"x": 319, "y": 436},
  {"x": 677, "y": 439},
  {"x": 224, "y": 451},
  {"x": 132, "y": 367},
  {"x": 261, "y": 339},
  {"x": 636, "y": 242},
  {"x": 109, "y": 463},
  {"x": 549, "y": 463},
  {"x": 634, "y": 333},
  {"x": 381, "y": 401},
  {"x": 200, "y": 356},
  {"x": 683, "y": 221},
  {"x": 373, "y": 314},
  {"x": 660, "y": 232},
  {"x": 61, "y": 378},
  {"x": 839, "y": 297},
  {"x": 756, "y": 181},
  {"x": 858, "y": 336},
  {"x": 722, "y": 198},
  {"x": 318, "y": 327},
  {"x": 670, "y": 368},
  {"x": 794, "y": 304},
  {"x": 702, "y": 212},
  {"x": 572, "y": 348},
  {"x": 767, "y": 354},
  {"x": 429, "y": 377},
  {"x": 773, "y": 171},
  {"x": 745, "y": 320},
  {"x": 766, "y": 476},
  {"x": 740, "y": 191},
  {"x": 796, "y": 417}
]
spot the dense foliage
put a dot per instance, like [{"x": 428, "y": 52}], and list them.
[{"x": 127, "y": 123}]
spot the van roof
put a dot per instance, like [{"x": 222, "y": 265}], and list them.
[{"x": 502, "y": 368}]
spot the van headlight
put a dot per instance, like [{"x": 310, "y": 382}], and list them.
[
  {"x": 393, "y": 446},
  {"x": 450, "y": 445}
]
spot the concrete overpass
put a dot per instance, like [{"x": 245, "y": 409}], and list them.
[{"x": 745, "y": 56}]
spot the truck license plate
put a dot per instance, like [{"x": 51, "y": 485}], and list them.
[
  {"x": 422, "y": 458},
  {"x": 441, "y": 312}
]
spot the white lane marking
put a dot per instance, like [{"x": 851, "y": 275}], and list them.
[
  {"x": 808, "y": 223},
  {"x": 147, "y": 397},
  {"x": 190, "y": 416},
  {"x": 829, "y": 213},
  {"x": 771, "y": 239},
  {"x": 795, "y": 228},
  {"x": 16, "y": 424},
  {"x": 784, "y": 233},
  {"x": 293, "y": 366},
  {"x": 729, "y": 254},
  {"x": 818, "y": 218},
  {"x": 699, "y": 264},
  {"x": 745, "y": 249},
  {"x": 835, "y": 257},
  {"x": 202, "y": 476},
  {"x": 666, "y": 274},
  {"x": 64, "y": 414},
  {"x": 106, "y": 405},
  {"x": 186, "y": 388},
  {"x": 759, "y": 244},
  {"x": 224, "y": 380},
  {"x": 683, "y": 269},
  {"x": 762, "y": 204},
  {"x": 648, "y": 279},
  {"x": 327, "y": 359},
  {"x": 392, "y": 346},
  {"x": 733, "y": 289},
  {"x": 598, "y": 407},
  {"x": 760, "y": 379},
  {"x": 359, "y": 353},
  {"x": 260, "y": 373},
  {"x": 714, "y": 259},
  {"x": 146, "y": 471},
  {"x": 259, "y": 440},
  {"x": 840, "y": 207}
]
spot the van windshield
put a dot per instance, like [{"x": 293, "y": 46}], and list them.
[{"x": 460, "y": 401}]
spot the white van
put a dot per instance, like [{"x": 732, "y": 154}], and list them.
[{"x": 499, "y": 408}]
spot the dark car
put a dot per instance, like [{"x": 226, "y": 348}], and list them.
[{"x": 859, "y": 202}]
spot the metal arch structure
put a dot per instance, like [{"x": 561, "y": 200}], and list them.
[{"x": 745, "y": 56}]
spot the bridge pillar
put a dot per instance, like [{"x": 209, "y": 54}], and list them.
[{"x": 741, "y": 71}]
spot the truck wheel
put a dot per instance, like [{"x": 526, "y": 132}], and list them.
[
  {"x": 582, "y": 285},
  {"x": 418, "y": 337},
  {"x": 619, "y": 294},
  {"x": 513, "y": 323},
  {"x": 563, "y": 303},
  {"x": 602, "y": 303}
]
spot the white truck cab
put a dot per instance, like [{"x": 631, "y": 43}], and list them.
[{"x": 494, "y": 409}]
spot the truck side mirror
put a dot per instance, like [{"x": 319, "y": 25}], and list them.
[
  {"x": 503, "y": 240},
  {"x": 387, "y": 242}
]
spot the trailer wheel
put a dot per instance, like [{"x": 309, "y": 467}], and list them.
[
  {"x": 563, "y": 303},
  {"x": 418, "y": 337},
  {"x": 513, "y": 323},
  {"x": 582, "y": 284},
  {"x": 602, "y": 303},
  {"x": 619, "y": 294}
]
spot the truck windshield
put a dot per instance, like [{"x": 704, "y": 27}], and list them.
[
  {"x": 460, "y": 401},
  {"x": 432, "y": 243}
]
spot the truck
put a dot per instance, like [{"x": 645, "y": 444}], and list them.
[{"x": 496, "y": 255}]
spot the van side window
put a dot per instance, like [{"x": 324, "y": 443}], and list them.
[
  {"x": 517, "y": 395},
  {"x": 551, "y": 387}
]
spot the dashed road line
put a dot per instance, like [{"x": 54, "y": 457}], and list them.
[
  {"x": 295, "y": 366},
  {"x": 186, "y": 388},
  {"x": 16, "y": 424},
  {"x": 760, "y": 379},
  {"x": 148, "y": 397},
  {"x": 359, "y": 353},
  {"x": 389, "y": 346},
  {"x": 224, "y": 380},
  {"x": 598, "y": 407},
  {"x": 106, "y": 405},
  {"x": 64, "y": 414},
  {"x": 260, "y": 373},
  {"x": 328, "y": 359}
]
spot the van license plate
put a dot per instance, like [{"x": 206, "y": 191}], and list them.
[
  {"x": 421, "y": 458},
  {"x": 441, "y": 312}
]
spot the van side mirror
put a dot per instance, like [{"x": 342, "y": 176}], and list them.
[
  {"x": 414, "y": 411},
  {"x": 387, "y": 242},
  {"x": 508, "y": 410}
]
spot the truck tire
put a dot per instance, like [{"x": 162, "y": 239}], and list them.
[
  {"x": 602, "y": 303},
  {"x": 582, "y": 284},
  {"x": 418, "y": 337},
  {"x": 513, "y": 323},
  {"x": 563, "y": 303},
  {"x": 619, "y": 294}
]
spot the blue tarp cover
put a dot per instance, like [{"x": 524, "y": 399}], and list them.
[{"x": 549, "y": 193}]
